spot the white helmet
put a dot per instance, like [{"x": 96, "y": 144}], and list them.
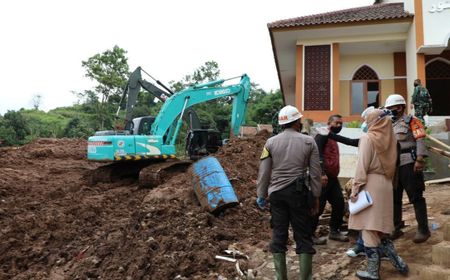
[
  {"x": 288, "y": 114},
  {"x": 394, "y": 99}
]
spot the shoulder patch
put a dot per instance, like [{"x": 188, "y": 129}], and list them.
[{"x": 265, "y": 153}]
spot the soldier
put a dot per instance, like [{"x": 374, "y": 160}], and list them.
[
  {"x": 421, "y": 101},
  {"x": 410, "y": 173},
  {"x": 283, "y": 179}
]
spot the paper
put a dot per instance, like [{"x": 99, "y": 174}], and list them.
[{"x": 364, "y": 201}]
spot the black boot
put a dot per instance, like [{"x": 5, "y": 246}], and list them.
[
  {"x": 373, "y": 265},
  {"x": 423, "y": 232},
  {"x": 388, "y": 249}
]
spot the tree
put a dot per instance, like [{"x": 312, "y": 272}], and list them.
[
  {"x": 75, "y": 128},
  {"x": 13, "y": 128},
  {"x": 110, "y": 70},
  {"x": 263, "y": 106},
  {"x": 206, "y": 73},
  {"x": 36, "y": 101}
]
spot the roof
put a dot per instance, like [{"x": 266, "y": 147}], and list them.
[{"x": 382, "y": 11}]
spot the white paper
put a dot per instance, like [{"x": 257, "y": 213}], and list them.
[{"x": 364, "y": 201}]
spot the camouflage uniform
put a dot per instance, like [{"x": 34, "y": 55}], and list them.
[{"x": 421, "y": 100}]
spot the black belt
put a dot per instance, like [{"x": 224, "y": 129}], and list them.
[{"x": 408, "y": 150}]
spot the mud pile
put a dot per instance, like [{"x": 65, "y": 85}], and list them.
[{"x": 53, "y": 224}]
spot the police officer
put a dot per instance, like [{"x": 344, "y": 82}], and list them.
[
  {"x": 283, "y": 179},
  {"x": 410, "y": 173}
]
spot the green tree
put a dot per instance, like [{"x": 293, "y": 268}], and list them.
[
  {"x": 205, "y": 73},
  {"x": 13, "y": 128},
  {"x": 75, "y": 128},
  {"x": 110, "y": 70},
  {"x": 263, "y": 106}
]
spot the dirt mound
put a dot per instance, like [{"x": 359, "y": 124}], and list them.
[{"x": 54, "y": 225}]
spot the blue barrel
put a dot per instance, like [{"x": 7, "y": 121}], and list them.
[{"x": 212, "y": 187}]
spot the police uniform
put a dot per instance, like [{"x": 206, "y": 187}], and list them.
[
  {"x": 408, "y": 180},
  {"x": 284, "y": 160}
]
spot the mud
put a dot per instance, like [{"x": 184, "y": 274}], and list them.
[{"x": 54, "y": 224}]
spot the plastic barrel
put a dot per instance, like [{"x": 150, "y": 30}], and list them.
[{"x": 212, "y": 187}]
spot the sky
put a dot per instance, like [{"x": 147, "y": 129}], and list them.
[{"x": 44, "y": 42}]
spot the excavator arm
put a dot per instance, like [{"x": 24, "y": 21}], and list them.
[
  {"x": 175, "y": 107},
  {"x": 134, "y": 85}
]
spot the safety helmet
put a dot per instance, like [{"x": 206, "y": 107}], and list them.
[
  {"x": 288, "y": 114},
  {"x": 394, "y": 99}
]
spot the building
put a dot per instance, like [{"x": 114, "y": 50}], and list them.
[{"x": 343, "y": 61}]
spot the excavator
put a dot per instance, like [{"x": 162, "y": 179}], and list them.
[{"x": 146, "y": 147}]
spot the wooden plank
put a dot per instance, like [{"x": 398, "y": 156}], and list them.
[
  {"x": 437, "y": 181},
  {"x": 438, "y": 142}
]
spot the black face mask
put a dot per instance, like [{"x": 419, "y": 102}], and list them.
[
  {"x": 336, "y": 129},
  {"x": 395, "y": 115},
  {"x": 415, "y": 84}
]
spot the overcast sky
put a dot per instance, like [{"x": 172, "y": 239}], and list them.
[{"x": 43, "y": 42}]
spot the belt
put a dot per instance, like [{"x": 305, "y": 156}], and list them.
[{"x": 407, "y": 150}]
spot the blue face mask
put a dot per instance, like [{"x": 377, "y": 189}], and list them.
[{"x": 364, "y": 127}]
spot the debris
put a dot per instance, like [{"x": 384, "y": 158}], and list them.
[
  {"x": 225, "y": 258},
  {"x": 236, "y": 253},
  {"x": 439, "y": 151},
  {"x": 437, "y": 181},
  {"x": 239, "y": 271},
  {"x": 438, "y": 142}
]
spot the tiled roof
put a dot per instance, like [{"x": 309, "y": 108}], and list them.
[{"x": 367, "y": 13}]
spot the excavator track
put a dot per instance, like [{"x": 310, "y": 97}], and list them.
[
  {"x": 150, "y": 173},
  {"x": 157, "y": 173}
]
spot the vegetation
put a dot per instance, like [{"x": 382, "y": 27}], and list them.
[{"x": 97, "y": 106}]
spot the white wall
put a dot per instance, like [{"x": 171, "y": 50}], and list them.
[
  {"x": 436, "y": 23},
  {"x": 382, "y": 64}
]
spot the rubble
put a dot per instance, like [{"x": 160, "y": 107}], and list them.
[{"x": 55, "y": 225}]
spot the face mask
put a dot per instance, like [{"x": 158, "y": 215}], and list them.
[
  {"x": 415, "y": 84},
  {"x": 336, "y": 129},
  {"x": 364, "y": 127}
]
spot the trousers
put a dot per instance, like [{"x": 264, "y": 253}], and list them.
[{"x": 290, "y": 207}]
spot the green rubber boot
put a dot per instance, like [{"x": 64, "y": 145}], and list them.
[
  {"x": 305, "y": 266},
  {"x": 279, "y": 259}
]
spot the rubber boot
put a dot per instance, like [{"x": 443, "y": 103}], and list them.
[
  {"x": 373, "y": 265},
  {"x": 279, "y": 259},
  {"x": 423, "y": 232},
  {"x": 388, "y": 249},
  {"x": 305, "y": 266}
]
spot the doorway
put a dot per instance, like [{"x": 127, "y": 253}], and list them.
[{"x": 438, "y": 84}]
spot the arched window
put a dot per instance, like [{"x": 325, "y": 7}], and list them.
[
  {"x": 365, "y": 90},
  {"x": 438, "y": 85},
  {"x": 438, "y": 69}
]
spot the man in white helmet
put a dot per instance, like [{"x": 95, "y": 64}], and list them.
[
  {"x": 283, "y": 180},
  {"x": 410, "y": 173}
]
